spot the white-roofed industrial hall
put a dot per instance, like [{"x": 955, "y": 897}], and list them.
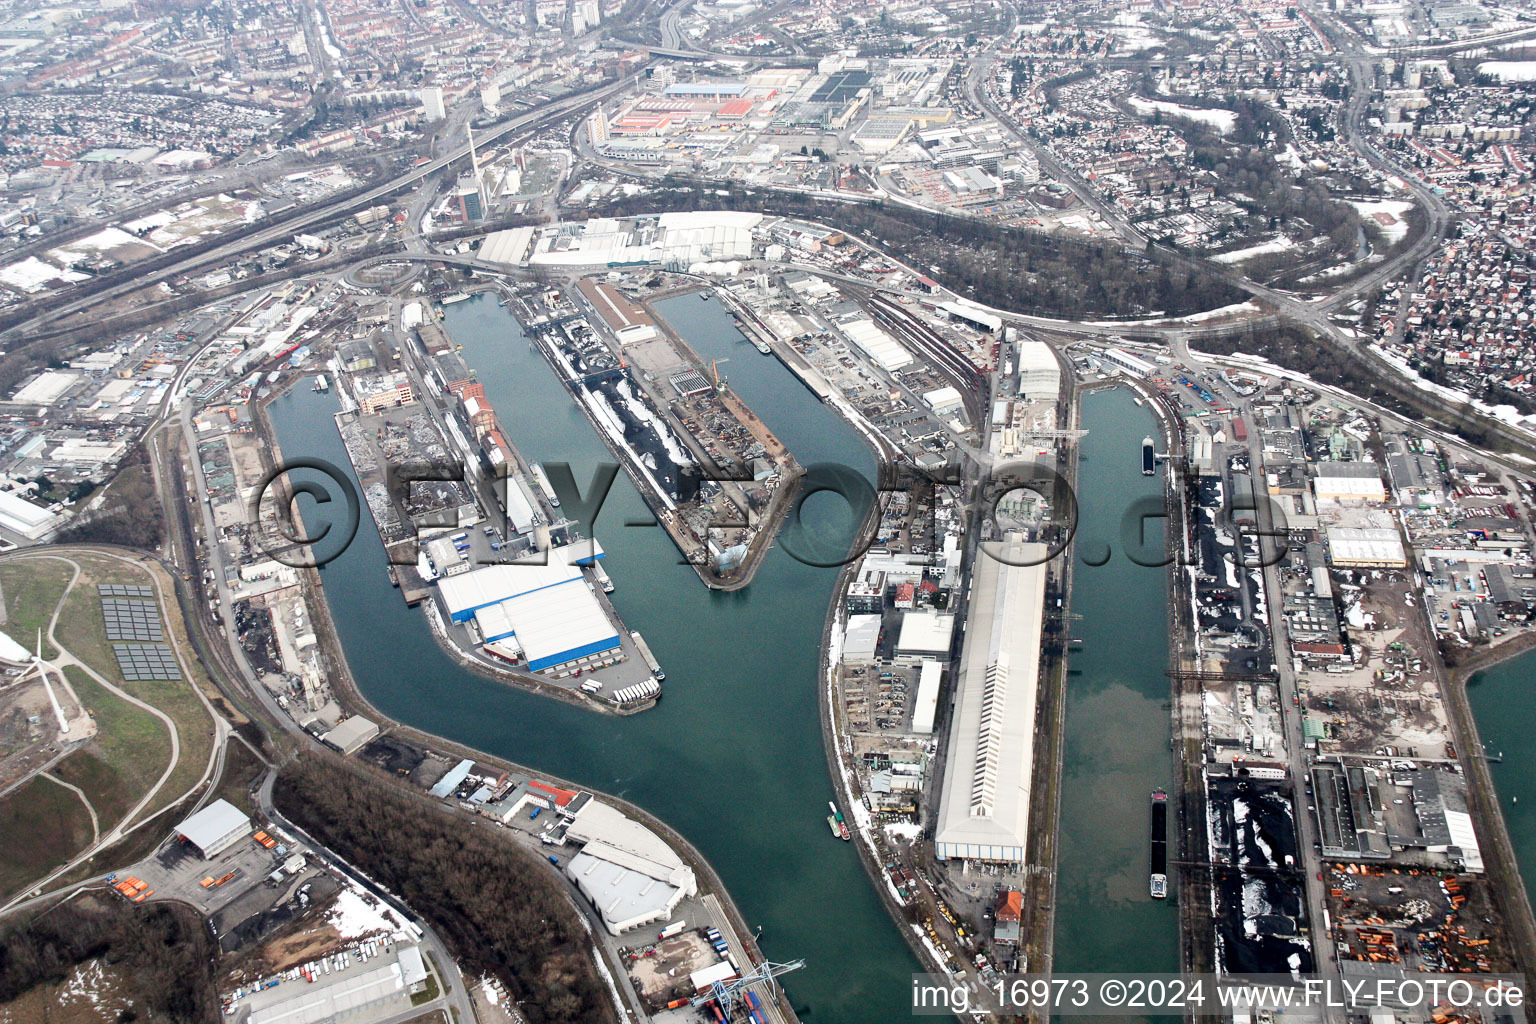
[
  {"x": 628, "y": 872},
  {"x": 984, "y": 805},
  {"x": 215, "y": 828}
]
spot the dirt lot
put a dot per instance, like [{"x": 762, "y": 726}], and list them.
[
  {"x": 1389, "y": 699},
  {"x": 22, "y": 741},
  {"x": 675, "y": 959}
]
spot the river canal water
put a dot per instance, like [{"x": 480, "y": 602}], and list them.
[{"x": 732, "y": 757}]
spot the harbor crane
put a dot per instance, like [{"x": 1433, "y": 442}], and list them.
[
  {"x": 725, "y": 993},
  {"x": 1054, "y": 434}
]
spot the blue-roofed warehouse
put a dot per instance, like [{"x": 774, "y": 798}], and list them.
[{"x": 547, "y": 612}]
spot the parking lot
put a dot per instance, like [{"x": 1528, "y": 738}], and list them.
[{"x": 177, "y": 870}]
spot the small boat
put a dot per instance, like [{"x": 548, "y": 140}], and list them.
[
  {"x": 762, "y": 347},
  {"x": 839, "y": 826}
]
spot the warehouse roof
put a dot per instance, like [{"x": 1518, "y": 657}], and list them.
[
  {"x": 984, "y": 807},
  {"x": 354, "y": 730},
  {"x": 510, "y": 246},
  {"x": 611, "y": 834},
  {"x": 925, "y": 632},
  {"x": 212, "y": 823},
  {"x": 494, "y": 583},
  {"x": 876, "y": 344},
  {"x": 559, "y": 624},
  {"x": 861, "y": 637},
  {"x": 23, "y": 516},
  {"x": 925, "y": 706},
  {"x": 1366, "y": 546},
  {"x": 329, "y": 998},
  {"x": 624, "y": 898}
]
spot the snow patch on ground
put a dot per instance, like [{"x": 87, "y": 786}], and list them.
[
  {"x": 675, "y": 451},
  {"x": 1135, "y": 38},
  {"x": 353, "y": 918},
  {"x": 1277, "y": 244},
  {"x": 1393, "y": 226},
  {"x": 1211, "y": 314},
  {"x": 1222, "y": 120},
  {"x": 102, "y": 241},
  {"x": 33, "y": 275}
]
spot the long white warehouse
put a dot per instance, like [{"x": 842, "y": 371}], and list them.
[{"x": 984, "y": 806}]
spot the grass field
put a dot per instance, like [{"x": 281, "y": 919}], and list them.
[
  {"x": 135, "y": 846},
  {"x": 44, "y": 825},
  {"x": 81, "y": 623},
  {"x": 103, "y": 785},
  {"x": 32, "y": 590},
  {"x": 130, "y": 750}
]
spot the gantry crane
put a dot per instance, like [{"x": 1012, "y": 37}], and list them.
[{"x": 726, "y": 993}]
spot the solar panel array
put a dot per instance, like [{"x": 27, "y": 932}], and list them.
[
  {"x": 123, "y": 590},
  {"x": 132, "y": 620},
  {"x": 140, "y": 662}
]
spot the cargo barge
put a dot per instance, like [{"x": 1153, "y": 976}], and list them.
[
  {"x": 542, "y": 481},
  {"x": 1158, "y": 880},
  {"x": 1148, "y": 456},
  {"x": 645, "y": 654}
]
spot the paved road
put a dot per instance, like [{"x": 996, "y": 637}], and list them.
[
  {"x": 458, "y": 997},
  {"x": 298, "y": 221}
]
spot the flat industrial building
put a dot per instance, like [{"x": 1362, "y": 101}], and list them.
[
  {"x": 861, "y": 637},
  {"x": 21, "y": 516},
  {"x": 1039, "y": 372},
  {"x": 984, "y": 806},
  {"x": 925, "y": 633},
  {"x": 886, "y": 351},
  {"x": 549, "y": 610},
  {"x": 351, "y": 735},
  {"x": 215, "y": 828},
  {"x": 510, "y": 246},
  {"x": 628, "y": 872},
  {"x": 925, "y": 705},
  {"x": 1366, "y": 548},
  {"x": 345, "y": 995},
  {"x": 1348, "y": 482}
]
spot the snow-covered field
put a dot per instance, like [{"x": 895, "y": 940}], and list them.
[
  {"x": 1509, "y": 70},
  {"x": 33, "y": 275},
  {"x": 102, "y": 241},
  {"x": 1393, "y": 208},
  {"x": 1135, "y": 38},
  {"x": 1277, "y": 244},
  {"x": 1222, "y": 120}
]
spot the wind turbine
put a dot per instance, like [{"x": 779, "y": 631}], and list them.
[{"x": 41, "y": 667}]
